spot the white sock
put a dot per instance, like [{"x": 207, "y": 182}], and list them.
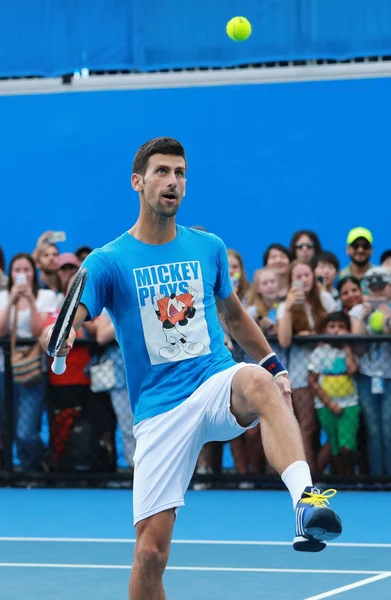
[{"x": 297, "y": 477}]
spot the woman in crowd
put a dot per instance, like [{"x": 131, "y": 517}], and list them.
[
  {"x": 24, "y": 309},
  {"x": 302, "y": 314},
  {"x": 105, "y": 336},
  {"x": 278, "y": 257},
  {"x": 350, "y": 293},
  {"x": 374, "y": 379},
  {"x": 305, "y": 245}
]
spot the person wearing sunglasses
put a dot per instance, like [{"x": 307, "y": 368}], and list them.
[
  {"x": 359, "y": 248},
  {"x": 305, "y": 245}
]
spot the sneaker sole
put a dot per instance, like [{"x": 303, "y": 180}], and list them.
[
  {"x": 323, "y": 525},
  {"x": 303, "y": 544}
]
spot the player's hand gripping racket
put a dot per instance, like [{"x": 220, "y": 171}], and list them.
[{"x": 64, "y": 322}]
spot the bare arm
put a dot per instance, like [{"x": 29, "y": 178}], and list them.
[
  {"x": 285, "y": 324},
  {"x": 243, "y": 328},
  {"x": 285, "y": 329},
  {"x": 105, "y": 331}
]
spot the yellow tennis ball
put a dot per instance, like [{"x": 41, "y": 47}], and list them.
[
  {"x": 239, "y": 29},
  {"x": 376, "y": 321}
]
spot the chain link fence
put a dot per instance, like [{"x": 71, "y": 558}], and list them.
[{"x": 78, "y": 429}]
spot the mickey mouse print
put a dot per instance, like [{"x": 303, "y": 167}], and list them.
[{"x": 172, "y": 311}]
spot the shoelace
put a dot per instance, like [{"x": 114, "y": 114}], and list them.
[{"x": 320, "y": 500}]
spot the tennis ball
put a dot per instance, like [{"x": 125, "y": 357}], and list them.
[
  {"x": 376, "y": 321},
  {"x": 239, "y": 29}
]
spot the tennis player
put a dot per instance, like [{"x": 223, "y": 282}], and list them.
[{"x": 162, "y": 285}]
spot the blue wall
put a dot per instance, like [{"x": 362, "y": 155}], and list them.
[
  {"x": 44, "y": 37},
  {"x": 264, "y": 160}
]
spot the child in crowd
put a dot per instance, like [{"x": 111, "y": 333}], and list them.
[{"x": 331, "y": 368}]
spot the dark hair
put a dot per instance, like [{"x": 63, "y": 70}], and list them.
[
  {"x": 327, "y": 257},
  {"x": 339, "y": 317},
  {"x": 35, "y": 284},
  {"x": 83, "y": 250},
  {"x": 344, "y": 280},
  {"x": 160, "y": 145},
  {"x": 384, "y": 256},
  {"x": 279, "y": 247},
  {"x": 2, "y": 260},
  {"x": 313, "y": 237}
]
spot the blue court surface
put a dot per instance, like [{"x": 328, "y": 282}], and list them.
[{"x": 228, "y": 545}]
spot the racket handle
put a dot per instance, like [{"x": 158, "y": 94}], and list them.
[{"x": 59, "y": 365}]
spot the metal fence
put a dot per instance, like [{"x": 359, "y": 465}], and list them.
[{"x": 69, "y": 434}]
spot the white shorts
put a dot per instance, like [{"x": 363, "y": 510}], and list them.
[{"x": 168, "y": 445}]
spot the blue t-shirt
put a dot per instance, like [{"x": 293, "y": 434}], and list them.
[{"x": 162, "y": 302}]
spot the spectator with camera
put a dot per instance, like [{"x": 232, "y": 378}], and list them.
[
  {"x": 331, "y": 368},
  {"x": 305, "y": 245},
  {"x": 302, "y": 314},
  {"x": 359, "y": 248},
  {"x": 374, "y": 379},
  {"x": 23, "y": 310},
  {"x": 326, "y": 266},
  {"x": 278, "y": 257}
]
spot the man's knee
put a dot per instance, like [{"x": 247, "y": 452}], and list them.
[
  {"x": 151, "y": 557},
  {"x": 258, "y": 382}
]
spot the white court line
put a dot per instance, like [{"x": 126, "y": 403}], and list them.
[
  {"x": 201, "y": 542},
  {"x": 214, "y": 569},
  {"x": 351, "y": 586}
]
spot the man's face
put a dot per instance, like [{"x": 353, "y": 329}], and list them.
[
  {"x": 163, "y": 185},
  {"x": 47, "y": 261},
  {"x": 360, "y": 251}
]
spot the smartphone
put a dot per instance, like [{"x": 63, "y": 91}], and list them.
[
  {"x": 21, "y": 278},
  {"x": 57, "y": 236},
  {"x": 300, "y": 286}
]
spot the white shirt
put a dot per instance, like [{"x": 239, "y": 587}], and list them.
[{"x": 45, "y": 303}]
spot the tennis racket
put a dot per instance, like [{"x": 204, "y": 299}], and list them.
[{"x": 64, "y": 322}]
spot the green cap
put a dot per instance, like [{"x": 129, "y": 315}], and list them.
[{"x": 359, "y": 232}]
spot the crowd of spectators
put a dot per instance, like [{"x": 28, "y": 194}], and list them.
[{"x": 341, "y": 387}]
